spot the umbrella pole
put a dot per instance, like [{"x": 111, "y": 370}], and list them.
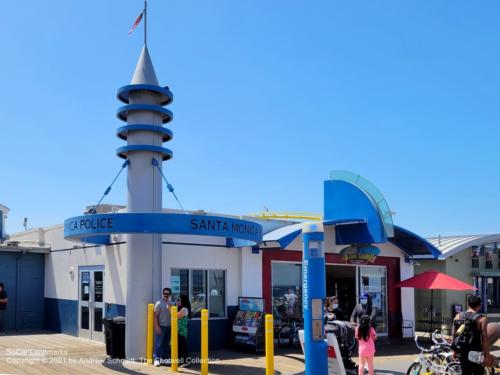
[{"x": 432, "y": 310}]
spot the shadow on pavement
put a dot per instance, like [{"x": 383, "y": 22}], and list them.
[
  {"x": 395, "y": 348},
  {"x": 118, "y": 367}
]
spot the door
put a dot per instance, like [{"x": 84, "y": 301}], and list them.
[
  {"x": 91, "y": 303},
  {"x": 8, "y": 275},
  {"x": 341, "y": 282},
  {"x": 373, "y": 280},
  {"x": 23, "y": 276}
]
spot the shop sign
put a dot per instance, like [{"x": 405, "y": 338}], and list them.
[{"x": 360, "y": 254}]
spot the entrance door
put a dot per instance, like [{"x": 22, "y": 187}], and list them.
[
  {"x": 373, "y": 280},
  {"x": 91, "y": 303},
  {"x": 341, "y": 282}
]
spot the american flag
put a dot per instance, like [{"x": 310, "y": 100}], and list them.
[{"x": 137, "y": 22}]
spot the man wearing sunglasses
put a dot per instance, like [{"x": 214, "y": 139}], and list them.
[{"x": 162, "y": 327}]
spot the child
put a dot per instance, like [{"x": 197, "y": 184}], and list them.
[{"x": 366, "y": 342}]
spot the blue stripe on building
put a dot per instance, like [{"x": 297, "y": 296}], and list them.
[{"x": 61, "y": 315}]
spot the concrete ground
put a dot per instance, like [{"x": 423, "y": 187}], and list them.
[{"x": 43, "y": 353}]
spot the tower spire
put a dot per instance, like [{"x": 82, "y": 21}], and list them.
[{"x": 145, "y": 22}]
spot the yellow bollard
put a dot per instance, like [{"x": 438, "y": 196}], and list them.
[
  {"x": 174, "y": 348},
  {"x": 269, "y": 344},
  {"x": 204, "y": 342},
  {"x": 150, "y": 336}
]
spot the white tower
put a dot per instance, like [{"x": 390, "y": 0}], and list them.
[{"x": 144, "y": 134}]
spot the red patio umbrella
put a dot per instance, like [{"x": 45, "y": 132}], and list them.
[{"x": 434, "y": 280}]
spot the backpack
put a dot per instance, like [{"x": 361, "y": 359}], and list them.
[{"x": 465, "y": 334}]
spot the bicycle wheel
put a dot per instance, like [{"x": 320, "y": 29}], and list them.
[
  {"x": 284, "y": 336},
  {"x": 454, "y": 368},
  {"x": 415, "y": 369},
  {"x": 296, "y": 339}
]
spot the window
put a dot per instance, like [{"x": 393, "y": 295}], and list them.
[
  {"x": 206, "y": 289},
  {"x": 287, "y": 290},
  {"x": 475, "y": 256},
  {"x": 488, "y": 255}
]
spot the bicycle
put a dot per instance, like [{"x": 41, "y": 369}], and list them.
[
  {"x": 436, "y": 360},
  {"x": 289, "y": 333}
]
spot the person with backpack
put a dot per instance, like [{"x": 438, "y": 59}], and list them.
[{"x": 470, "y": 333}]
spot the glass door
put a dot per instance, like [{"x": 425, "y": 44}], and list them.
[
  {"x": 373, "y": 280},
  {"x": 91, "y": 303}
]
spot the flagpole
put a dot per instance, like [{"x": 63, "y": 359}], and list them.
[{"x": 145, "y": 21}]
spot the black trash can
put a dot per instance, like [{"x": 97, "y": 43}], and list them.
[{"x": 114, "y": 333}]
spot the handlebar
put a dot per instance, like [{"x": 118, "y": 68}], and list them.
[
  {"x": 419, "y": 347},
  {"x": 435, "y": 337},
  {"x": 438, "y": 339}
]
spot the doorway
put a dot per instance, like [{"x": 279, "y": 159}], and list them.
[
  {"x": 341, "y": 282},
  {"x": 91, "y": 302}
]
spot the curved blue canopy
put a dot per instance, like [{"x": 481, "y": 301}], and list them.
[
  {"x": 412, "y": 244},
  {"x": 285, "y": 235}
]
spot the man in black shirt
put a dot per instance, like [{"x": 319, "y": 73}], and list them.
[
  {"x": 3, "y": 306},
  {"x": 479, "y": 337}
]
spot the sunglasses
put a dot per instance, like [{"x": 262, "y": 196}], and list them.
[{"x": 166, "y": 294}]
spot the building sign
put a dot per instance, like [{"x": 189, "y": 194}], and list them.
[
  {"x": 360, "y": 254},
  {"x": 98, "y": 290},
  {"x": 97, "y": 228}
]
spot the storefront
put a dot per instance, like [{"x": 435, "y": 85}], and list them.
[
  {"x": 473, "y": 259},
  {"x": 364, "y": 254},
  {"x": 282, "y": 285},
  {"x": 345, "y": 282}
]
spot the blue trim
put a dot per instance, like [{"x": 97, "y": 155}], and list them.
[
  {"x": 85, "y": 228},
  {"x": 287, "y": 234},
  {"x": 166, "y": 154},
  {"x": 61, "y": 315},
  {"x": 289, "y": 238},
  {"x": 166, "y": 94},
  {"x": 413, "y": 244},
  {"x": 235, "y": 242},
  {"x": 114, "y": 309},
  {"x": 122, "y": 112},
  {"x": 221, "y": 330},
  {"x": 122, "y": 132}
]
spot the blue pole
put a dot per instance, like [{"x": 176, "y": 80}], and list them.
[{"x": 313, "y": 295}]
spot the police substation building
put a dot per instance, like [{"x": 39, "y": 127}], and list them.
[{"x": 113, "y": 260}]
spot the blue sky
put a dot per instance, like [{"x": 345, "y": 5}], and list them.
[{"x": 269, "y": 97}]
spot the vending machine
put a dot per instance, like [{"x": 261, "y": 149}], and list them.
[{"x": 248, "y": 325}]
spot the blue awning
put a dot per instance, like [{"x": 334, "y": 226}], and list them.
[
  {"x": 285, "y": 235},
  {"x": 409, "y": 242},
  {"x": 412, "y": 244}
]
